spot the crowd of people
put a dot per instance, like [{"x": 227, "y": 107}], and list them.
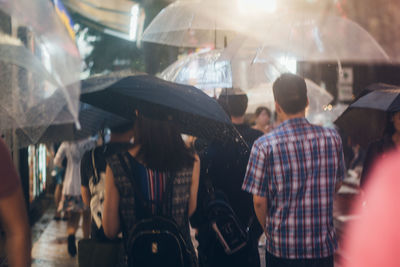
[{"x": 281, "y": 181}]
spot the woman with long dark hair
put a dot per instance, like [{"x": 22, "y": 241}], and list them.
[{"x": 158, "y": 155}]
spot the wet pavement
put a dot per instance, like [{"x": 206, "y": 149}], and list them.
[{"x": 49, "y": 239}]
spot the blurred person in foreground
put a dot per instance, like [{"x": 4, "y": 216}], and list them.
[
  {"x": 379, "y": 148},
  {"x": 224, "y": 163},
  {"x": 158, "y": 157},
  {"x": 293, "y": 174},
  {"x": 13, "y": 215},
  {"x": 373, "y": 239},
  {"x": 71, "y": 199},
  {"x": 93, "y": 171},
  {"x": 263, "y": 119}
]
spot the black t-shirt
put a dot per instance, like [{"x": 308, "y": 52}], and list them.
[{"x": 249, "y": 134}]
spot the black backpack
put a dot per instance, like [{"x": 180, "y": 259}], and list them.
[
  {"x": 155, "y": 240},
  {"x": 229, "y": 231}
]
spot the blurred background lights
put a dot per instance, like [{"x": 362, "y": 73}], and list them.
[
  {"x": 328, "y": 107},
  {"x": 134, "y": 21}
]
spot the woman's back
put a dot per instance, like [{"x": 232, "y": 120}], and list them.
[
  {"x": 163, "y": 157},
  {"x": 153, "y": 185}
]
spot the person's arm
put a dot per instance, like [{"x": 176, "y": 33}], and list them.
[
  {"x": 14, "y": 219},
  {"x": 110, "y": 218},
  {"x": 255, "y": 181},
  {"x": 86, "y": 172},
  {"x": 60, "y": 155},
  {"x": 260, "y": 208},
  {"x": 194, "y": 186},
  {"x": 341, "y": 168},
  {"x": 85, "y": 192}
]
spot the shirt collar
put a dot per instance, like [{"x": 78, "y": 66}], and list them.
[{"x": 294, "y": 122}]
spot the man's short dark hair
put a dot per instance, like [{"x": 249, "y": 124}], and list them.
[
  {"x": 234, "y": 105},
  {"x": 290, "y": 92}
]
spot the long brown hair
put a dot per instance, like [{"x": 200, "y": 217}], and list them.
[{"x": 161, "y": 145}]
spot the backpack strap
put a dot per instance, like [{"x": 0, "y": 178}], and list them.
[
  {"x": 96, "y": 177},
  {"x": 139, "y": 197},
  {"x": 162, "y": 209}
]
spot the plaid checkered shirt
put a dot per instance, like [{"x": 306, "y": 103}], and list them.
[{"x": 296, "y": 167}]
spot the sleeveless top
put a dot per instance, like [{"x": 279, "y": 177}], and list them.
[{"x": 180, "y": 196}]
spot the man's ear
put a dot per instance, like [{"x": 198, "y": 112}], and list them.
[{"x": 278, "y": 108}]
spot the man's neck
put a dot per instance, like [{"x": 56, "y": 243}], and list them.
[
  {"x": 285, "y": 117},
  {"x": 237, "y": 120}
]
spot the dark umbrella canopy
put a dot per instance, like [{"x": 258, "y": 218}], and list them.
[
  {"x": 192, "y": 110},
  {"x": 386, "y": 100},
  {"x": 380, "y": 86},
  {"x": 365, "y": 119}
]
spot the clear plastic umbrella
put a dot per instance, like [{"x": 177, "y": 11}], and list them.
[
  {"x": 262, "y": 95},
  {"x": 308, "y": 37},
  {"x": 35, "y": 72},
  {"x": 201, "y": 23},
  {"x": 200, "y": 70},
  {"x": 206, "y": 71}
]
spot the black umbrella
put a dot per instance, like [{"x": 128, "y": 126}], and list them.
[
  {"x": 375, "y": 87},
  {"x": 365, "y": 119},
  {"x": 380, "y": 86},
  {"x": 191, "y": 109},
  {"x": 92, "y": 120}
]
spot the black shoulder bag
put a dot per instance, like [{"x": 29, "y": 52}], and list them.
[{"x": 223, "y": 221}]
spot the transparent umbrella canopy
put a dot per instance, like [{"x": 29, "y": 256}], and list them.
[
  {"x": 35, "y": 73},
  {"x": 201, "y": 23},
  {"x": 263, "y": 95},
  {"x": 205, "y": 70},
  {"x": 308, "y": 37},
  {"x": 201, "y": 70}
]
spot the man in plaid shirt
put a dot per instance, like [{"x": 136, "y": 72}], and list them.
[{"x": 293, "y": 174}]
